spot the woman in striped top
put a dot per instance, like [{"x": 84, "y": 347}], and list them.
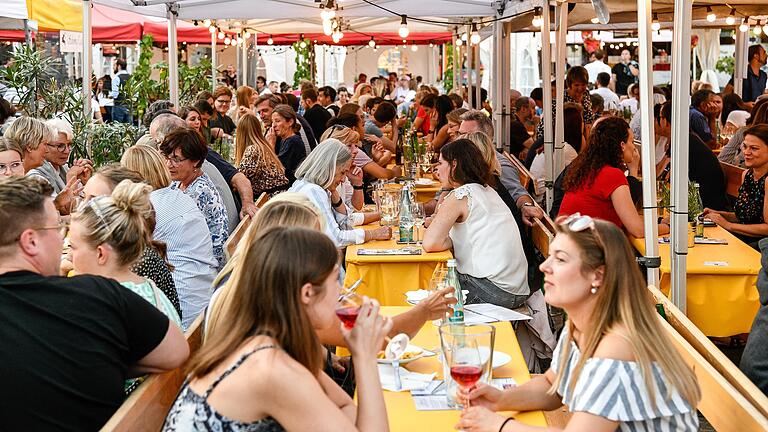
[{"x": 614, "y": 366}]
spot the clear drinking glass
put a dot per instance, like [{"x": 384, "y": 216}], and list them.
[
  {"x": 418, "y": 220},
  {"x": 458, "y": 342},
  {"x": 388, "y": 205}
]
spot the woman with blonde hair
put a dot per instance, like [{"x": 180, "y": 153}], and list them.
[
  {"x": 182, "y": 227},
  {"x": 361, "y": 90},
  {"x": 33, "y": 136},
  {"x": 264, "y": 365},
  {"x": 257, "y": 159},
  {"x": 614, "y": 367},
  {"x": 245, "y": 98}
]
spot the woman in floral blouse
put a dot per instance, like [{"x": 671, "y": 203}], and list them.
[
  {"x": 185, "y": 150},
  {"x": 576, "y": 91},
  {"x": 257, "y": 159}
]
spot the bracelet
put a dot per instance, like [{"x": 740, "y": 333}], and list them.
[
  {"x": 361, "y": 187},
  {"x": 528, "y": 204},
  {"x": 505, "y": 423},
  {"x": 337, "y": 203}
]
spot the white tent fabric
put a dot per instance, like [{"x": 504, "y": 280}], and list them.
[
  {"x": 708, "y": 52},
  {"x": 15, "y": 9}
]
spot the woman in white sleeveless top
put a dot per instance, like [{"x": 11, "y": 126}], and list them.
[{"x": 475, "y": 222}]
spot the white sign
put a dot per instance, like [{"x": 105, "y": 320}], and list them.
[{"x": 70, "y": 41}]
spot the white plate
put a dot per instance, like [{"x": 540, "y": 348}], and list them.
[
  {"x": 415, "y": 297},
  {"x": 410, "y": 348},
  {"x": 499, "y": 358}
]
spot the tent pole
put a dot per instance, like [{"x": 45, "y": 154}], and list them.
[
  {"x": 478, "y": 80},
  {"x": 173, "y": 55},
  {"x": 546, "y": 85},
  {"x": 470, "y": 56},
  {"x": 740, "y": 68},
  {"x": 681, "y": 74},
  {"x": 213, "y": 61},
  {"x": 27, "y": 33},
  {"x": 500, "y": 60},
  {"x": 256, "y": 57},
  {"x": 87, "y": 60},
  {"x": 652, "y": 260},
  {"x": 560, "y": 61},
  {"x": 455, "y": 58},
  {"x": 244, "y": 58}
]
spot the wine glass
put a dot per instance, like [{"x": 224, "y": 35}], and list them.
[
  {"x": 425, "y": 163},
  {"x": 466, "y": 363},
  {"x": 348, "y": 308},
  {"x": 437, "y": 283},
  {"x": 418, "y": 219}
]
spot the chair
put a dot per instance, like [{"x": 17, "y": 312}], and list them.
[
  {"x": 733, "y": 178},
  {"x": 231, "y": 244},
  {"x": 730, "y": 401},
  {"x": 526, "y": 178},
  {"x": 542, "y": 233},
  {"x": 146, "y": 408}
]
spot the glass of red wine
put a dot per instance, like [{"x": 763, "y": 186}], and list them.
[
  {"x": 348, "y": 308},
  {"x": 466, "y": 363}
]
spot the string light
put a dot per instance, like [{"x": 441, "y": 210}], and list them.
[
  {"x": 221, "y": 35},
  {"x": 302, "y": 42},
  {"x": 655, "y": 24},
  {"x": 731, "y": 18},
  {"x": 327, "y": 27},
  {"x": 757, "y": 30},
  {"x": 372, "y": 43},
  {"x": 403, "y": 30},
  {"x": 765, "y": 27},
  {"x": 537, "y": 20},
  {"x": 414, "y": 47},
  {"x": 459, "y": 42},
  {"x": 227, "y": 40},
  {"x": 475, "y": 37},
  {"x": 247, "y": 33},
  {"x": 744, "y": 26},
  {"x": 711, "y": 17},
  {"x": 212, "y": 29},
  {"x": 595, "y": 20},
  {"x": 206, "y": 22},
  {"x": 270, "y": 41}
]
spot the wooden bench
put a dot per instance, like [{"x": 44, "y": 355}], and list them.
[
  {"x": 231, "y": 244},
  {"x": 733, "y": 178},
  {"x": 730, "y": 401},
  {"x": 542, "y": 233},
  {"x": 145, "y": 409},
  {"x": 526, "y": 178}
]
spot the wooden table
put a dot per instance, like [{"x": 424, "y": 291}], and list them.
[
  {"x": 401, "y": 410},
  {"x": 388, "y": 277},
  {"x": 722, "y": 301}
]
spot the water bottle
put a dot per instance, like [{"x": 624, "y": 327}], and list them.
[
  {"x": 407, "y": 221},
  {"x": 452, "y": 279},
  {"x": 699, "y": 212}
]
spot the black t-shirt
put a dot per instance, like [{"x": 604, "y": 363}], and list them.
[
  {"x": 704, "y": 169},
  {"x": 317, "y": 117},
  {"x": 518, "y": 135},
  {"x": 624, "y": 77},
  {"x": 222, "y": 121},
  {"x": 67, "y": 344},
  {"x": 291, "y": 153}
]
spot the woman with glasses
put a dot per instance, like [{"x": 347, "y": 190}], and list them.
[
  {"x": 11, "y": 163},
  {"x": 109, "y": 234},
  {"x": 595, "y": 183},
  {"x": 475, "y": 222},
  {"x": 220, "y": 123},
  {"x": 185, "y": 150},
  {"x": 54, "y": 169},
  {"x": 614, "y": 367}
]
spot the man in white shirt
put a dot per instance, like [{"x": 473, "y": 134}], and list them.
[
  {"x": 597, "y": 65},
  {"x": 610, "y": 98},
  {"x": 402, "y": 93}
]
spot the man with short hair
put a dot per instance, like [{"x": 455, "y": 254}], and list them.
[
  {"x": 385, "y": 114},
  {"x": 326, "y": 96},
  {"x": 274, "y": 87},
  {"x": 266, "y": 104},
  {"x": 701, "y": 122},
  {"x": 315, "y": 114},
  {"x": 361, "y": 79},
  {"x": 597, "y": 66},
  {"x": 625, "y": 73},
  {"x": 261, "y": 85},
  {"x": 519, "y": 138},
  {"x": 610, "y": 99},
  {"x": 754, "y": 84},
  {"x": 403, "y": 93},
  {"x": 476, "y": 120},
  {"x": 70, "y": 343},
  {"x": 120, "y": 112}
]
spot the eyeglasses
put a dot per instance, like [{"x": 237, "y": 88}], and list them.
[
  {"x": 174, "y": 160},
  {"x": 224, "y": 102},
  {"x": 11, "y": 167},
  {"x": 61, "y": 226},
  {"x": 61, "y": 147}
]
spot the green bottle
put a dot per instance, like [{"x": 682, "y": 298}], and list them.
[{"x": 452, "y": 280}]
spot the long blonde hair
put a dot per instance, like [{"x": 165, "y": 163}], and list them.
[
  {"x": 482, "y": 142},
  {"x": 249, "y": 133},
  {"x": 624, "y": 300},
  {"x": 266, "y": 298},
  {"x": 148, "y": 162},
  {"x": 285, "y": 209},
  {"x": 119, "y": 220}
]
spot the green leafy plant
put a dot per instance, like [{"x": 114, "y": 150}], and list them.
[
  {"x": 192, "y": 80},
  {"x": 303, "y": 63},
  {"x": 725, "y": 65},
  {"x": 104, "y": 143},
  {"x": 448, "y": 73},
  {"x": 29, "y": 75}
]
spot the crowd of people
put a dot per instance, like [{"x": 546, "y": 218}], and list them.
[{"x": 106, "y": 266}]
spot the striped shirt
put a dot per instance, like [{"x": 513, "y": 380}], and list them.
[
  {"x": 615, "y": 390},
  {"x": 181, "y": 225},
  {"x": 337, "y": 226}
]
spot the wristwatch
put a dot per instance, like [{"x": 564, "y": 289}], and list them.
[
  {"x": 361, "y": 187},
  {"x": 337, "y": 203}
]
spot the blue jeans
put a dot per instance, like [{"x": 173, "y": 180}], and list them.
[
  {"x": 482, "y": 290},
  {"x": 120, "y": 114}
]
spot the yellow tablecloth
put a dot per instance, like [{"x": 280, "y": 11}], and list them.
[
  {"x": 722, "y": 301},
  {"x": 401, "y": 409},
  {"x": 423, "y": 193},
  {"x": 388, "y": 277}
]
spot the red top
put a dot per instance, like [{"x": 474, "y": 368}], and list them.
[
  {"x": 595, "y": 200},
  {"x": 424, "y": 128}
]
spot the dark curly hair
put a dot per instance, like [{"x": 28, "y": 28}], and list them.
[{"x": 603, "y": 148}]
